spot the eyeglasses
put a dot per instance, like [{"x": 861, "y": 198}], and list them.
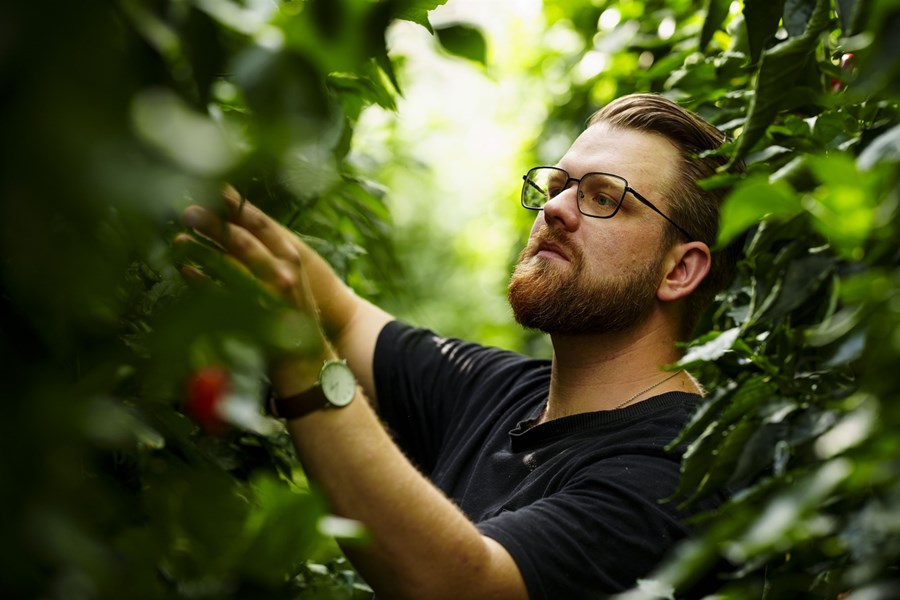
[{"x": 599, "y": 195}]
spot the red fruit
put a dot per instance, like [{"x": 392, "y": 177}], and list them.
[
  {"x": 206, "y": 390},
  {"x": 846, "y": 68}
]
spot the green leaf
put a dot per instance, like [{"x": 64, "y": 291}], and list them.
[
  {"x": 759, "y": 452},
  {"x": 709, "y": 409},
  {"x": 696, "y": 462},
  {"x": 463, "y": 40},
  {"x": 845, "y": 9},
  {"x": 797, "y": 14},
  {"x": 716, "y": 11},
  {"x": 384, "y": 62},
  {"x": 836, "y": 169},
  {"x": 369, "y": 88},
  {"x": 280, "y": 532},
  {"x": 787, "y": 512},
  {"x": 831, "y": 128},
  {"x": 713, "y": 349},
  {"x": 803, "y": 279},
  {"x": 727, "y": 455},
  {"x": 849, "y": 350},
  {"x": 834, "y": 327},
  {"x": 781, "y": 68},
  {"x": 884, "y": 148},
  {"x": 417, "y": 12},
  {"x": 845, "y": 207},
  {"x": 762, "y": 18},
  {"x": 795, "y": 172},
  {"x": 752, "y": 392},
  {"x": 751, "y": 202}
]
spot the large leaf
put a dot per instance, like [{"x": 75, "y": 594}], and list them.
[
  {"x": 751, "y": 202},
  {"x": 803, "y": 279},
  {"x": 845, "y": 207},
  {"x": 780, "y": 70},
  {"x": 716, "y": 11},
  {"x": 762, "y": 18}
]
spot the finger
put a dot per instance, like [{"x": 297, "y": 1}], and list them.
[
  {"x": 236, "y": 240},
  {"x": 278, "y": 239},
  {"x": 194, "y": 277},
  {"x": 205, "y": 256},
  {"x": 252, "y": 254}
]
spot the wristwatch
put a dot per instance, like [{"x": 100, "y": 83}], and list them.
[{"x": 335, "y": 389}]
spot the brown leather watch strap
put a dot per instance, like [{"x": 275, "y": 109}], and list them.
[{"x": 300, "y": 405}]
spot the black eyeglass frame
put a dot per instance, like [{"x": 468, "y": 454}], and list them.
[{"x": 627, "y": 188}]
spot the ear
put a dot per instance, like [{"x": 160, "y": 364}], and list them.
[{"x": 686, "y": 267}]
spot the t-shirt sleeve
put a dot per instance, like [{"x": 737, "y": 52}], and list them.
[
  {"x": 425, "y": 382},
  {"x": 595, "y": 536}
]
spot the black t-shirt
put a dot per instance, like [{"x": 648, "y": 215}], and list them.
[{"x": 575, "y": 501}]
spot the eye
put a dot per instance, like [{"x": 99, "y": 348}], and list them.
[
  {"x": 555, "y": 186},
  {"x": 602, "y": 200}
]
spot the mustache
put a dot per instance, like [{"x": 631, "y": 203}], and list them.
[{"x": 547, "y": 234}]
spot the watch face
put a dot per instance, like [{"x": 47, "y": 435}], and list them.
[{"x": 338, "y": 383}]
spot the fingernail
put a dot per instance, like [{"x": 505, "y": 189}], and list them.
[{"x": 193, "y": 216}]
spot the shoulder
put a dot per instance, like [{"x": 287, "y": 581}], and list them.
[{"x": 399, "y": 339}]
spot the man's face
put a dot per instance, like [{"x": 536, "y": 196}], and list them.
[{"x": 582, "y": 275}]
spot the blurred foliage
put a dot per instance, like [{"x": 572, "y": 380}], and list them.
[{"x": 117, "y": 114}]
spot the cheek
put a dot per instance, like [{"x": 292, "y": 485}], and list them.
[{"x": 609, "y": 252}]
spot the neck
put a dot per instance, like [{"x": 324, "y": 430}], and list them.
[{"x": 600, "y": 372}]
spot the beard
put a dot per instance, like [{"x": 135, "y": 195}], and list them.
[{"x": 560, "y": 299}]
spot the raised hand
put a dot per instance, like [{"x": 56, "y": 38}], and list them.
[
  {"x": 256, "y": 242},
  {"x": 268, "y": 253}
]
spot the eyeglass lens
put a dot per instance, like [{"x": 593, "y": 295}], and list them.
[{"x": 599, "y": 194}]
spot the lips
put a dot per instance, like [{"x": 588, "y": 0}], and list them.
[{"x": 551, "y": 249}]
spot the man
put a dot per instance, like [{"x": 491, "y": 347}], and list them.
[{"x": 502, "y": 476}]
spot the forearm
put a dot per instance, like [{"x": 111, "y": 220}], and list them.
[
  {"x": 422, "y": 546},
  {"x": 351, "y": 323}
]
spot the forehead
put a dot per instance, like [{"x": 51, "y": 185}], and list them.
[{"x": 648, "y": 161}]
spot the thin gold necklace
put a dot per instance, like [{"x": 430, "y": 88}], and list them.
[{"x": 644, "y": 391}]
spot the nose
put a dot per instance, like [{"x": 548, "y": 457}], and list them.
[{"x": 562, "y": 209}]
